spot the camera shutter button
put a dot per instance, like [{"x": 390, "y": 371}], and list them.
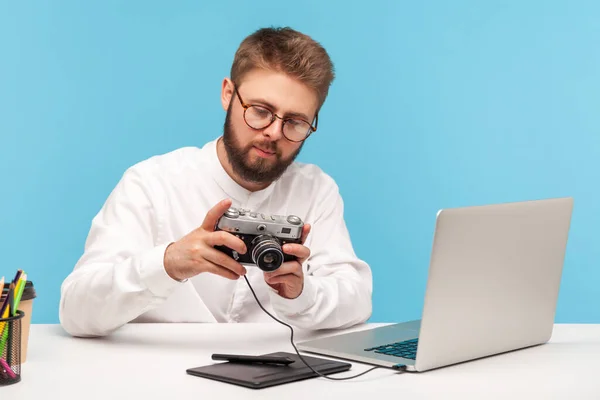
[{"x": 292, "y": 219}]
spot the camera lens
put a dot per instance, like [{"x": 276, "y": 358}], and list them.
[
  {"x": 269, "y": 260},
  {"x": 267, "y": 254}
]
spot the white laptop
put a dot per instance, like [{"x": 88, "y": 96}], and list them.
[{"x": 493, "y": 285}]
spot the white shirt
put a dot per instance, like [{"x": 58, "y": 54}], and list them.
[{"x": 120, "y": 277}]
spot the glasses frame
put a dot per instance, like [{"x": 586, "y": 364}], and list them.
[{"x": 274, "y": 116}]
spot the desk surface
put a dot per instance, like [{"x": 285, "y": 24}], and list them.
[{"x": 148, "y": 361}]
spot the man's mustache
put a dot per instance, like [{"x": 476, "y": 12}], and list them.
[{"x": 269, "y": 146}]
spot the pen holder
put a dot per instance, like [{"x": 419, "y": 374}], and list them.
[{"x": 10, "y": 349}]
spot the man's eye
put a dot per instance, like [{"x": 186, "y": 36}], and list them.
[{"x": 262, "y": 112}]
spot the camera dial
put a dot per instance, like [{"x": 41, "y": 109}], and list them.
[
  {"x": 232, "y": 212},
  {"x": 294, "y": 220}
]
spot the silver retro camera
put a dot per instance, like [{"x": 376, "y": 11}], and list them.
[{"x": 264, "y": 235}]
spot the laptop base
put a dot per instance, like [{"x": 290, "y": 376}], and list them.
[{"x": 356, "y": 346}]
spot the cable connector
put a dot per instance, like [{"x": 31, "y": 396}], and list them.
[{"x": 400, "y": 367}]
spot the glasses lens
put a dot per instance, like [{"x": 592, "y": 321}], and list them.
[
  {"x": 295, "y": 129},
  {"x": 258, "y": 117}
]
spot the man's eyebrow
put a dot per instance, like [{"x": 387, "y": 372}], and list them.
[{"x": 272, "y": 107}]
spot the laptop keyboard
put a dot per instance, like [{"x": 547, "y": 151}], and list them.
[{"x": 405, "y": 349}]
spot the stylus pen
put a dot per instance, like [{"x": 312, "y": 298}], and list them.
[{"x": 239, "y": 358}]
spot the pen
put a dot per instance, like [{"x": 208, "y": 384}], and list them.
[
  {"x": 19, "y": 292},
  {"x": 238, "y": 358}
]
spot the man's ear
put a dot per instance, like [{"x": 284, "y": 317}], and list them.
[{"x": 226, "y": 93}]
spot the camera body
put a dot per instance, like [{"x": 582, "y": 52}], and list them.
[{"x": 264, "y": 236}]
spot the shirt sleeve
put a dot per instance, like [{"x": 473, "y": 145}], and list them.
[
  {"x": 337, "y": 289},
  {"x": 121, "y": 272}
]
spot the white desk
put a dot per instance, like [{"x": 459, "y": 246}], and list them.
[{"x": 148, "y": 361}]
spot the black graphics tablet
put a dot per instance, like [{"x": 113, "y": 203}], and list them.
[{"x": 258, "y": 376}]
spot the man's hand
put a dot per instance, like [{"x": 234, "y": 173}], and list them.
[
  {"x": 288, "y": 280},
  {"x": 195, "y": 252}
]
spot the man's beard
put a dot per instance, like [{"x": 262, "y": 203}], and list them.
[{"x": 261, "y": 170}]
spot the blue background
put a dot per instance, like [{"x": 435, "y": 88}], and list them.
[{"x": 436, "y": 104}]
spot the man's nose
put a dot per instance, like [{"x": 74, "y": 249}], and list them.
[{"x": 275, "y": 129}]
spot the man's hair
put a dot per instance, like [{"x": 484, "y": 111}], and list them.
[{"x": 288, "y": 51}]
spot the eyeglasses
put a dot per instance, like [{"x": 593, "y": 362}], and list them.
[{"x": 260, "y": 117}]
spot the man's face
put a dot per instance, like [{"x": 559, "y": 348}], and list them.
[{"x": 261, "y": 156}]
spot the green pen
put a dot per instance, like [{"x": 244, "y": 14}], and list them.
[
  {"x": 4, "y": 339},
  {"x": 19, "y": 294}
]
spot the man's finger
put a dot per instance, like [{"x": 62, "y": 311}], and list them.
[
  {"x": 222, "y": 238},
  {"x": 213, "y": 215},
  {"x": 297, "y": 250},
  {"x": 305, "y": 232},
  {"x": 287, "y": 268},
  {"x": 224, "y": 272},
  {"x": 287, "y": 278},
  {"x": 221, "y": 259}
]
